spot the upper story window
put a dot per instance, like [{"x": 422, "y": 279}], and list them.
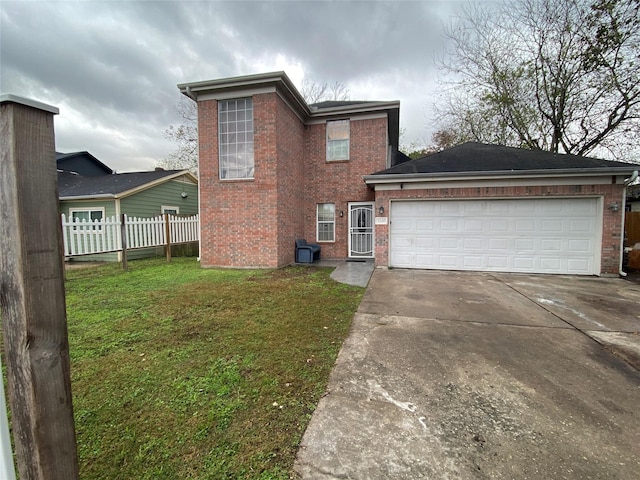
[
  {"x": 235, "y": 142},
  {"x": 338, "y": 140}
]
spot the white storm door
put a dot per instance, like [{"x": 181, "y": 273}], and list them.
[{"x": 361, "y": 230}]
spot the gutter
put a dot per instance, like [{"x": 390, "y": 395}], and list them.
[
  {"x": 90, "y": 197},
  {"x": 439, "y": 176},
  {"x": 627, "y": 182}
]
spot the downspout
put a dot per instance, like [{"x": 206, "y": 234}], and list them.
[
  {"x": 627, "y": 182},
  {"x": 195, "y": 99},
  {"x": 190, "y": 94}
]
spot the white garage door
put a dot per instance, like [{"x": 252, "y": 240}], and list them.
[{"x": 519, "y": 235}]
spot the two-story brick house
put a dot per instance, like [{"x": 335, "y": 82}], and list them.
[{"x": 274, "y": 169}]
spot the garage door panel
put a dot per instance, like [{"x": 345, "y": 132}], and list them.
[
  {"x": 581, "y": 226},
  {"x": 495, "y": 208},
  {"x": 472, "y": 262},
  {"x": 512, "y": 235},
  {"x": 472, "y": 225},
  {"x": 451, "y": 208},
  {"x": 403, "y": 225},
  {"x": 524, "y": 245},
  {"x": 424, "y": 242},
  {"x": 550, "y": 245},
  {"x": 577, "y": 265},
  {"x": 498, "y": 244},
  {"x": 474, "y": 244},
  {"x": 498, "y": 225},
  {"x": 447, "y": 243},
  {"x": 424, "y": 226},
  {"x": 525, "y": 226},
  {"x": 448, "y": 261},
  {"x": 523, "y": 263},
  {"x": 551, "y": 265},
  {"x": 580, "y": 246},
  {"x": 449, "y": 225},
  {"x": 497, "y": 263},
  {"x": 553, "y": 226}
]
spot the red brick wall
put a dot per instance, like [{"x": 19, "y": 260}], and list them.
[
  {"x": 611, "y": 225},
  {"x": 289, "y": 216},
  {"x": 239, "y": 226},
  {"x": 341, "y": 182}
]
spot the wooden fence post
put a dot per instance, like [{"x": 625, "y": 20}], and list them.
[
  {"x": 32, "y": 297},
  {"x": 167, "y": 236}
]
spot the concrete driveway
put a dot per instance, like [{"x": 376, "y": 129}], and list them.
[{"x": 478, "y": 376}]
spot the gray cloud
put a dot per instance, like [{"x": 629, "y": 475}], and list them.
[{"x": 112, "y": 67}]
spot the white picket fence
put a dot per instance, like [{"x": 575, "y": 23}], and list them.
[{"x": 86, "y": 237}]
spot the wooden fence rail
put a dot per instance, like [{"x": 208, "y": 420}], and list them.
[{"x": 86, "y": 237}]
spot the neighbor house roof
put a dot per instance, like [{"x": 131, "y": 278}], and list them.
[
  {"x": 74, "y": 186},
  {"x": 478, "y": 159},
  {"x": 75, "y": 162}
]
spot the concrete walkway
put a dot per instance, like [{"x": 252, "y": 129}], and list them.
[
  {"x": 475, "y": 376},
  {"x": 356, "y": 273}
]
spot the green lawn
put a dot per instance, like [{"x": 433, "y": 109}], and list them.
[{"x": 182, "y": 372}]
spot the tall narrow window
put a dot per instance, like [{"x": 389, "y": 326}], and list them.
[
  {"x": 326, "y": 219},
  {"x": 235, "y": 142},
  {"x": 338, "y": 140}
]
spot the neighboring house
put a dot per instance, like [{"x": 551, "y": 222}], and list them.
[
  {"x": 82, "y": 163},
  {"x": 274, "y": 169},
  {"x": 138, "y": 194}
]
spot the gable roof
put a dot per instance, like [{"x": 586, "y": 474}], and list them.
[
  {"x": 479, "y": 159},
  {"x": 74, "y": 162},
  {"x": 74, "y": 186},
  {"x": 279, "y": 82}
]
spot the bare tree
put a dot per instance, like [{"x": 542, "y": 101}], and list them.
[
  {"x": 558, "y": 75},
  {"x": 314, "y": 92},
  {"x": 185, "y": 136}
]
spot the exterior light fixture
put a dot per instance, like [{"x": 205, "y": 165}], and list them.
[
  {"x": 614, "y": 207},
  {"x": 381, "y": 210},
  {"x": 341, "y": 213},
  {"x": 184, "y": 195}
]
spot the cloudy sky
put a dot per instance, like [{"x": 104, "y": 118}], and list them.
[{"x": 112, "y": 67}]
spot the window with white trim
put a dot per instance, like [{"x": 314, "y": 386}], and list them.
[
  {"x": 86, "y": 215},
  {"x": 168, "y": 209},
  {"x": 338, "y": 140},
  {"x": 235, "y": 138},
  {"x": 326, "y": 222}
]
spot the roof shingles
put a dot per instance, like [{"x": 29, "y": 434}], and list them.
[
  {"x": 477, "y": 158},
  {"x": 73, "y": 185}
]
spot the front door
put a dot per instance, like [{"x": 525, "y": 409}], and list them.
[{"x": 361, "y": 230}]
